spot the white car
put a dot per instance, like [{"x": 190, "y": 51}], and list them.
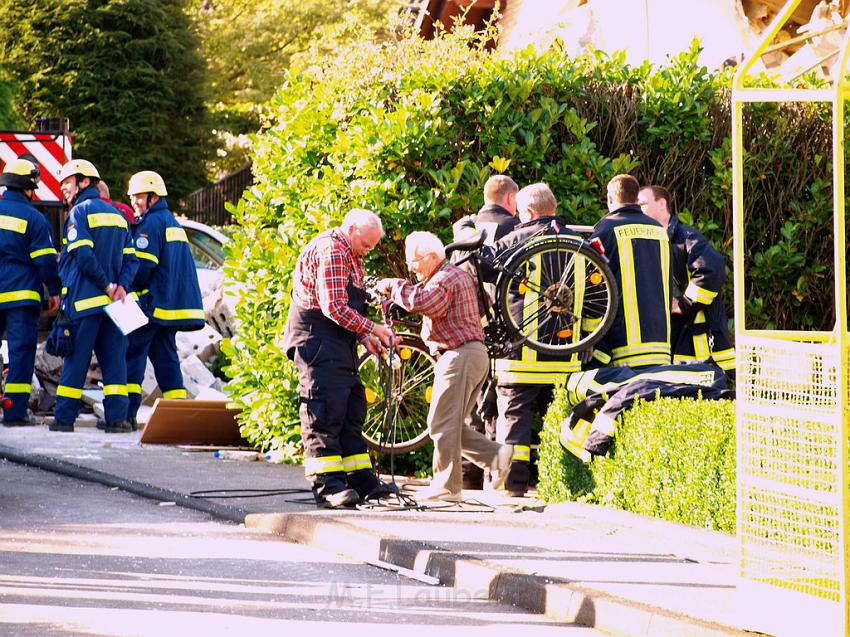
[{"x": 207, "y": 244}]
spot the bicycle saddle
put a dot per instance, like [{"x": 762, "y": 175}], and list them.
[{"x": 473, "y": 242}]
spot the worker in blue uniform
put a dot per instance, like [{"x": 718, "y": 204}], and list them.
[
  {"x": 97, "y": 266},
  {"x": 168, "y": 290},
  {"x": 27, "y": 265}
]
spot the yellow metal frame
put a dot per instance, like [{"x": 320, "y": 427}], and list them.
[{"x": 835, "y": 343}]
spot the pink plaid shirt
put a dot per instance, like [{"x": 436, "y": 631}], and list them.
[
  {"x": 323, "y": 270},
  {"x": 449, "y": 304}
]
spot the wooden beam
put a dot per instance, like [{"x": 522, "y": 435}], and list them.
[
  {"x": 479, "y": 4},
  {"x": 801, "y": 14}
]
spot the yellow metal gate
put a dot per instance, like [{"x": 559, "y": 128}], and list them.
[{"x": 792, "y": 410}]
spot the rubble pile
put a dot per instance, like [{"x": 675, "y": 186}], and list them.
[{"x": 197, "y": 351}]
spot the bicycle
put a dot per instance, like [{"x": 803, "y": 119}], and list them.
[{"x": 579, "y": 301}]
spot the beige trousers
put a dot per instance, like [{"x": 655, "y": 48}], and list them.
[{"x": 458, "y": 377}]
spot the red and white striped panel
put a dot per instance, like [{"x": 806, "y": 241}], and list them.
[{"x": 52, "y": 152}]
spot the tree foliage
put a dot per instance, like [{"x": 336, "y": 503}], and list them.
[
  {"x": 8, "y": 120},
  {"x": 250, "y": 45},
  {"x": 127, "y": 74}
]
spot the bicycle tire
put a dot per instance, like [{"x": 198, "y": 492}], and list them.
[
  {"x": 412, "y": 379},
  {"x": 547, "y": 267}
]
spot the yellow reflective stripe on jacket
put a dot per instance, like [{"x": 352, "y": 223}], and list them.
[
  {"x": 356, "y": 462},
  {"x": 579, "y": 288},
  {"x": 81, "y": 243},
  {"x": 659, "y": 352},
  {"x": 133, "y": 388},
  {"x": 13, "y": 224},
  {"x": 20, "y": 295},
  {"x": 40, "y": 253},
  {"x": 603, "y": 423},
  {"x": 115, "y": 390},
  {"x": 699, "y": 295},
  {"x": 590, "y": 324},
  {"x": 602, "y": 357},
  {"x": 175, "y": 234},
  {"x": 725, "y": 359},
  {"x": 107, "y": 220},
  {"x": 641, "y": 360},
  {"x": 534, "y": 373},
  {"x": 177, "y": 315},
  {"x": 147, "y": 255},
  {"x": 175, "y": 394},
  {"x": 580, "y": 384},
  {"x": 325, "y": 464},
  {"x": 664, "y": 247},
  {"x": 136, "y": 295},
  {"x": 18, "y": 388},
  {"x": 629, "y": 288},
  {"x": 69, "y": 392},
  {"x": 522, "y": 453},
  {"x": 89, "y": 303},
  {"x": 573, "y": 439},
  {"x": 129, "y": 251}
]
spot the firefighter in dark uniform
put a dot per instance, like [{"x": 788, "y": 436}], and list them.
[
  {"x": 27, "y": 264},
  {"x": 326, "y": 320},
  {"x": 597, "y": 397},
  {"x": 97, "y": 266},
  {"x": 525, "y": 379},
  {"x": 699, "y": 327},
  {"x": 638, "y": 252},
  {"x": 497, "y": 218},
  {"x": 166, "y": 284}
]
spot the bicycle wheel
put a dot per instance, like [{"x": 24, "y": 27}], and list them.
[
  {"x": 412, "y": 376},
  {"x": 557, "y": 295}
]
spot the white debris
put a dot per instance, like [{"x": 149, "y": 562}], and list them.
[{"x": 204, "y": 343}]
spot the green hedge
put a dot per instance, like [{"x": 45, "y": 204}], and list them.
[
  {"x": 672, "y": 459},
  {"x": 412, "y": 129}
]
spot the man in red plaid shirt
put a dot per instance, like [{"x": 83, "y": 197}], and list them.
[
  {"x": 448, "y": 299},
  {"x": 326, "y": 321}
]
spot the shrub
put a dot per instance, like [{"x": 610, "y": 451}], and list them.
[
  {"x": 672, "y": 459},
  {"x": 412, "y": 129}
]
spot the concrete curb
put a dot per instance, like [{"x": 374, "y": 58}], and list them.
[
  {"x": 559, "y": 600},
  {"x": 222, "y": 511}
]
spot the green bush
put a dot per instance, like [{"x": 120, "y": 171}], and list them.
[
  {"x": 412, "y": 129},
  {"x": 672, "y": 459}
]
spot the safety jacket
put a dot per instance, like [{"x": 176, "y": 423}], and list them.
[
  {"x": 597, "y": 398},
  {"x": 698, "y": 272},
  {"x": 166, "y": 281},
  {"x": 493, "y": 218},
  {"x": 526, "y": 365},
  {"x": 97, "y": 250},
  {"x": 638, "y": 252},
  {"x": 27, "y": 253}
]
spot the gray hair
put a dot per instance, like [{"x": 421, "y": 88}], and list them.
[
  {"x": 362, "y": 219},
  {"x": 537, "y": 199},
  {"x": 422, "y": 243}
]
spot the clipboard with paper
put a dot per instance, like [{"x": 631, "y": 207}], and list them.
[{"x": 126, "y": 314}]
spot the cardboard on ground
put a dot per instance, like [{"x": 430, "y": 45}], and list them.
[{"x": 194, "y": 422}]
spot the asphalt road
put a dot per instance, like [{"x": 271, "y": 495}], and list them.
[{"x": 80, "y": 559}]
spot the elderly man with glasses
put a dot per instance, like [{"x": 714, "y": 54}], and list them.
[{"x": 447, "y": 298}]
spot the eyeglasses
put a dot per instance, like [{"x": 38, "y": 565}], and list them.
[{"x": 416, "y": 259}]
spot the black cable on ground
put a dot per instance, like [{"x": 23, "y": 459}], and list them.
[
  {"x": 223, "y": 511},
  {"x": 245, "y": 493}
]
